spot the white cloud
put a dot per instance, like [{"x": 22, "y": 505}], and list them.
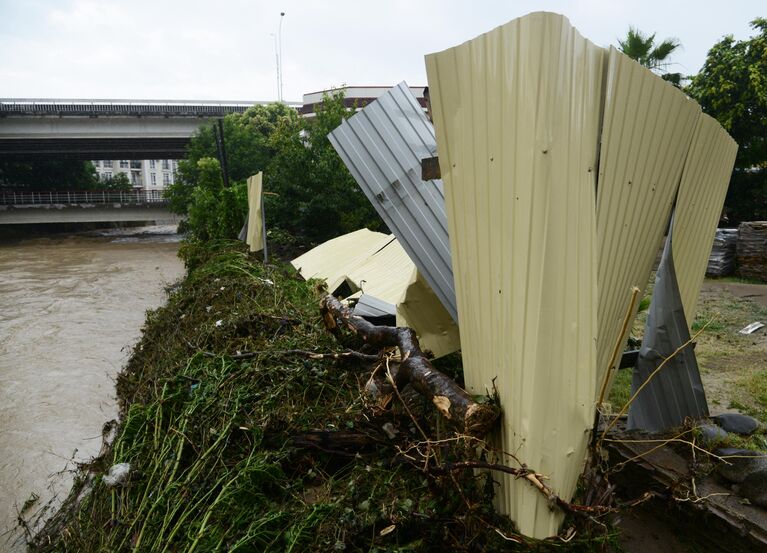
[{"x": 225, "y": 49}]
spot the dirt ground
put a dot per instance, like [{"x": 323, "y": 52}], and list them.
[
  {"x": 744, "y": 290},
  {"x": 733, "y": 366}
]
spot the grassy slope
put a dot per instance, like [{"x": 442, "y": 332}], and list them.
[{"x": 208, "y": 438}]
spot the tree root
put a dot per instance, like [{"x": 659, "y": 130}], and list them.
[{"x": 452, "y": 401}]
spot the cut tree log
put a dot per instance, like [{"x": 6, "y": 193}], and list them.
[{"x": 452, "y": 401}]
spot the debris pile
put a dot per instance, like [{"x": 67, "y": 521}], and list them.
[{"x": 255, "y": 434}]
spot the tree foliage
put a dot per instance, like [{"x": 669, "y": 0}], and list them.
[
  {"x": 642, "y": 48},
  {"x": 309, "y": 192},
  {"x": 66, "y": 174},
  {"x": 215, "y": 211},
  {"x": 119, "y": 181},
  {"x": 732, "y": 87},
  {"x": 315, "y": 196}
]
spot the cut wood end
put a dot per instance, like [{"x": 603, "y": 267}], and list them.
[
  {"x": 329, "y": 320},
  {"x": 443, "y": 405},
  {"x": 480, "y": 418}
]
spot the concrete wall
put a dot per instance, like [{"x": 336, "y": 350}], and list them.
[{"x": 86, "y": 213}]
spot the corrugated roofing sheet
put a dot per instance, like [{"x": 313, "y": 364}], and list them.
[
  {"x": 517, "y": 113},
  {"x": 647, "y": 130},
  {"x": 421, "y": 310},
  {"x": 333, "y": 259},
  {"x": 699, "y": 205},
  {"x": 385, "y": 274},
  {"x": 561, "y": 164},
  {"x": 676, "y": 391},
  {"x": 255, "y": 225},
  {"x": 382, "y": 145},
  {"x": 380, "y": 274},
  {"x": 369, "y": 306}
]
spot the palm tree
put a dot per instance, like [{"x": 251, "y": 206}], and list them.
[{"x": 642, "y": 48}]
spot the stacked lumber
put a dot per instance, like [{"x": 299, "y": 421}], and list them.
[
  {"x": 721, "y": 262},
  {"x": 752, "y": 250}
]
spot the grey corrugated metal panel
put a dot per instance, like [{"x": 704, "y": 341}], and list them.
[
  {"x": 647, "y": 130},
  {"x": 676, "y": 391},
  {"x": 517, "y": 113},
  {"x": 382, "y": 145},
  {"x": 370, "y": 306},
  {"x": 699, "y": 205}
]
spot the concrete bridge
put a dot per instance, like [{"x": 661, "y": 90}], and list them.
[
  {"x": 104, "y": 129},
  {"x": 95, "y": 206}
]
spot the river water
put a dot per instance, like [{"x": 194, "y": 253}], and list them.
[{"x": 70, "y": 309}]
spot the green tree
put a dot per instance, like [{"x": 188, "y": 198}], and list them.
[
  {"x": 119, "y": 181},
  {"x": 310, "y": 194},
  {"x": 246, "y": 138},
  {"x": 642, "y": 48},
  {"x": 314, "y": 195},
  {"x": 214, "y": 211},
  {"x": 48, "y": 174},
  {"x": 732, "y": 87}
]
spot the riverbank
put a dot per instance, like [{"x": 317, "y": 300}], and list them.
[
  {"x": 237, "y": 441},
  {"x": 235, "y": 438}
]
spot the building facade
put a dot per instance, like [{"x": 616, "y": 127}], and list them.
[
  {"x": 147, "y": 174},
  {"x": 354, "y": 97}
]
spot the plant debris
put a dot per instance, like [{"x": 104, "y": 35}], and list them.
[{"x": 246, "y": 429}]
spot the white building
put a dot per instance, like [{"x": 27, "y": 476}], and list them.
[
  {"x": 354, "y": 96},
  {"x": 147, "y": 174}
]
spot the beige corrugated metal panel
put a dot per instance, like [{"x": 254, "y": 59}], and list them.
[
  {"x": 516, "y": 114},
  {"x": 332, "y": 260},
  {"x": 704, "y": 184},
  {"x": 647, "y": 131},
  {"x": 421, "y": 310},
  {"x": 385, "y": 274},
  {"x": 255, "y": 238}
]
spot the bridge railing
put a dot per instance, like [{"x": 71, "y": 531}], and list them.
[{"x": 66, "y": 197}]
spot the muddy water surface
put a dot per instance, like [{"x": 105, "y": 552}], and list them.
[{"x": 70, "y": 308}]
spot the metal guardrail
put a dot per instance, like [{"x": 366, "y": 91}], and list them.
[
  {"x": 63, "y": 197},
  {"x": 120, "y": 108},
  {"x": 124, "y": 108}
]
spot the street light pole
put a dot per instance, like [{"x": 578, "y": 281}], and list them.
[
  {"x": 277, "y": 62},
  {"x": 279, "y": 59}
]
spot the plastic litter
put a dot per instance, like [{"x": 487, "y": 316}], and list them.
[
  {"x": 117, "y": 474},
  {"x": 750, "y": 329}
]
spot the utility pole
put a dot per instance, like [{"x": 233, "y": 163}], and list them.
[
  {"x": 276, "y": 62},
  {"x": 279, "y": 57}
]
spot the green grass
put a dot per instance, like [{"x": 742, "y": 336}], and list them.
[{"x": 620, "y": 392}]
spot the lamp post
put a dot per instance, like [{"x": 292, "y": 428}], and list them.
[
  {"x": 279, "y": 56},
  {"x": 277, "y": 63}
]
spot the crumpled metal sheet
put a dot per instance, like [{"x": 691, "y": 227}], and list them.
[
  {"x": 333, "y": 260},
  {"x": 375, "y": 310},
  {"x": 382, "y": 146},
  {"x": 647, "y": 129},
  {"x": 255, "y": 233},
  {"x": 421, "y": 310},
  {"x": 704, "y": 183},
  {"x": 517, "y": 115},
  {"x": 675, "y": 392}
]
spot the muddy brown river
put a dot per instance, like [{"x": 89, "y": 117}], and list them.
[{"x": 71, "y": 307}]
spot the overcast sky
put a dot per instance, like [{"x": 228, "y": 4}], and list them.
[{"x": 225, "y": 50}]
